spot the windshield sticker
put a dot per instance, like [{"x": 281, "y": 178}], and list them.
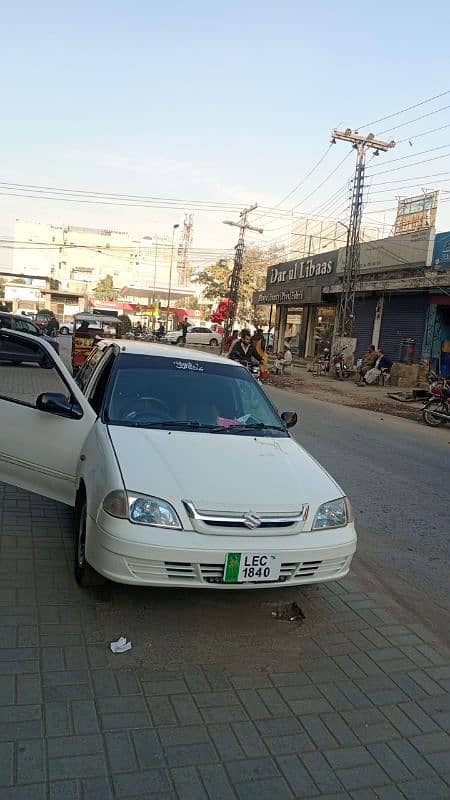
[{"x": 192, "y": 366}]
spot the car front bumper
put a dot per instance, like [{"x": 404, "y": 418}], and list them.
[{"x": 141, "y": 555}]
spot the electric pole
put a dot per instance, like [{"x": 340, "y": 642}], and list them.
[
  {"x": 346, "y": 308},
  {"x": 233, "y": 294}
]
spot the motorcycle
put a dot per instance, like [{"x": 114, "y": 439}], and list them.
[
  {"x": 340, "y": 367},
  {"x": 253, "y": 368},
  {"x": 436, "y": 410}
]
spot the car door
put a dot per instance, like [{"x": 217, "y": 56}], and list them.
[
  {"x": 194, "y": 336},
  {"x": 40, "y": 449}
]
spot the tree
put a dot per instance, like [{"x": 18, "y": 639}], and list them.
[
  {"x": 215, "y": 280},
  {"x": 105, "y": 289}
]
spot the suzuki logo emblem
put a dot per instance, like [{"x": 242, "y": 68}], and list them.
[{"x": 251, "y": 521}]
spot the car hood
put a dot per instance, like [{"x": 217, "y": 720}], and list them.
[{"x": 221, "y": 471}]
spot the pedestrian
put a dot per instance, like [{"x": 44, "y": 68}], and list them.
[
  {"x": 368, "y": 362},
  {"x": 230, "y": 340},
  {"x": 184, "y": 331},
  {"x": 52, "y": 327}
]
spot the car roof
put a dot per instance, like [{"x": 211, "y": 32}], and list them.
[
  {"x": 15, "y": 316},
  {"x": 164, "y": 350}
]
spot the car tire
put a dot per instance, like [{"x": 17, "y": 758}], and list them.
[
  {"x": 213, "y": 343},
  {"x": 85, "y": 575},
  {"x": 64, "y": 330},
  {"x": 179, "y": 340}
]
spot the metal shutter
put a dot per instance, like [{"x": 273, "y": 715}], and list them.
[
  {"x": 363, "y": 324},
  {"x": 404, "y": 317}
]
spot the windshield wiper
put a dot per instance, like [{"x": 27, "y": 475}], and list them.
[
  {"x": 255, "y": 426},
  {"x": 175, "y": 423}
]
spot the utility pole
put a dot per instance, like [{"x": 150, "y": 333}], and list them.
[
  {"x": 346, "y": 308},
  {"x": 233, "y": 294}
]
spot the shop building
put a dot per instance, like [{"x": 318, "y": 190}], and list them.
[
  {"x": 402, "y": 300},
  {"x": 300, "y": 311}
]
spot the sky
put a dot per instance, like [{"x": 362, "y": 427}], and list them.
[{"x": 213, "y": 101}]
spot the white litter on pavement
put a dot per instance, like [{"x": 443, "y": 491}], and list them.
[{"x": 121, "y": 646}]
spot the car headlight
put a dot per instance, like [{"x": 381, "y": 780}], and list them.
[
  {"x": 333, "y": 514},
  {"x": 141, "y": 509}
]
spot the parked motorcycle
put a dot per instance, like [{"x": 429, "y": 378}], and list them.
[
  {"x": 340, "y": 366},
  {"x": 436, "y": 410}
]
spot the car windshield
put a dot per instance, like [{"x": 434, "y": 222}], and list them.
[{"x": 182, "y": 394}]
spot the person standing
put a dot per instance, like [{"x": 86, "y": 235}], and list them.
[
  {"x": 184, "y": 331},
  {"x": 52, "y": 327}
]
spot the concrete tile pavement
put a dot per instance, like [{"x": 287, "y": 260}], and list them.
[{"x": 362, "y": 712}]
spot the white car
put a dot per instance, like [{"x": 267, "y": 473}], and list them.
[
  {"x": 195, "y": 335},
  {"x": 126, "y": 444},
  {"x": 65, "y": 328}
]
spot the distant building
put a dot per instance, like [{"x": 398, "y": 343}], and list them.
[{"x": 78, "y": 258}]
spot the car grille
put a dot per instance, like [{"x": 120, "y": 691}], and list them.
[
  {"x": 226, "y": 522},
  {"x": 167, "y": 571}
]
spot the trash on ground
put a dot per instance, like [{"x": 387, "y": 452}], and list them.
[
  {"x": 121, "y": 646},
  {"x": 290, "y": 612}
]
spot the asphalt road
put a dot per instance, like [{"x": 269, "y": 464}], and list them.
[{"x": 396, "y": 473}]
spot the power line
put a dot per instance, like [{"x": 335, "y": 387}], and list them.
[
  {"x": 300, "y": 183},
  {"x": 403, "y": 110},
  {"x": 424, "y": 133},
  {"x": 416, "y": 119}
]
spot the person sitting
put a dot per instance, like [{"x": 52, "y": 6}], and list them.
[
  {"x": 283, "y": 362},
  {"x": 368, "y": 362},
  {"x": 384, "y": 364}
]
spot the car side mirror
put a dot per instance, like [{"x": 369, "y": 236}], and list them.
[
  {"x": 55, "y": 403},
  {"x": 289, "y": 418}
]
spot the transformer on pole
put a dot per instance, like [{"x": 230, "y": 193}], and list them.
[{"x": 346, "y": 308}]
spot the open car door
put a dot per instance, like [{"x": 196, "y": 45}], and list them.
[{"x": 44, "y": 418}]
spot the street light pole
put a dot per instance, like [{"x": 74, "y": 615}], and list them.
[{"x": 170, "y": 276}]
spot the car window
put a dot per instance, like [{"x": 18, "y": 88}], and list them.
[
  {"x": 25, "y": 326},
  {"x": 5, "y": 322},
  {"x": 154, "y": 391},
  {"x": 204, "y": 330},
  {"x": 85, "y": 373},
  {"x": 97, "y": 387},
  {"x": 26, "y": 371}
]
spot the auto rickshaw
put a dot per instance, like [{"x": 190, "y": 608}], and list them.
[{"x": 87, "y": 331}]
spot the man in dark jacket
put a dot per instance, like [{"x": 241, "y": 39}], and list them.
[{"x": 243, "y": 350}]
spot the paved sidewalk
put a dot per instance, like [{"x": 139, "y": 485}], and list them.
[{"x": 353, "y": 704}]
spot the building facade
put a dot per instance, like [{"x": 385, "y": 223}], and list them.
[{"x": 403, "y": 294}]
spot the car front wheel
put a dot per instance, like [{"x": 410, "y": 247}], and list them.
[
  {"x": 64, "y": 330},
  {"x": 84, "y": 574},
  {"x": 213, "y": 343}
]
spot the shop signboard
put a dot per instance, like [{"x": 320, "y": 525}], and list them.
[
  {"x": 416, "y": 213},
  {"x": 288, "y": 296},
  {"x": 441, "y": 253},
  {"x": 318, "y": 270},
  {"x": 394, "y": 252}
]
